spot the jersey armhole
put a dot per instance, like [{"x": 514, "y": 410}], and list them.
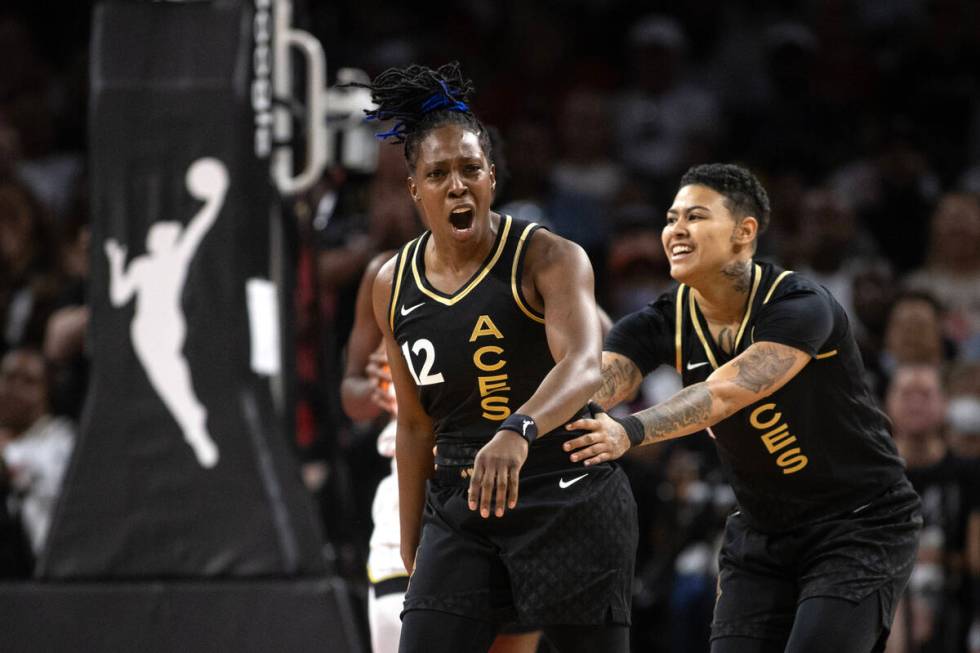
[{"x": 517, "y": 272}]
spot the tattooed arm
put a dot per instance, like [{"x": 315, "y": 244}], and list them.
[
  {"x": 754, "y": 374},
  {"x": 621, "y": 379}
]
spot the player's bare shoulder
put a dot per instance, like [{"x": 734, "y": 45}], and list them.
[{"x": 550, "y": 253}]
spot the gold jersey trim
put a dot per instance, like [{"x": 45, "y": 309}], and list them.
[
  {"x": 756, "y": 279},
  {"x": 678, "y": 323},
  {"x": 700, "y": 331},
  {"x": 757, "y": 273},
  {"x": 772, "y": 288},
  {"x": 826, "y": 354},
  {"x": 527, "y": 310},
  {"x": 460, "y": 294},
  {"x": 398, "y": 285}
]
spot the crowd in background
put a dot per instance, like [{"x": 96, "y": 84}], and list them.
[{"x": 862, "y": 119}]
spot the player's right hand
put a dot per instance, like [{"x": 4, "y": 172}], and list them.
[
  {"x": 606, "y": 440},
  {"x": 496, "y": 471}
]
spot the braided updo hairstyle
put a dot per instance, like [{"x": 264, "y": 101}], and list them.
[{"x": 421, "y": 99}]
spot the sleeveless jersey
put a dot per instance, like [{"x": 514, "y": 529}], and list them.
[
  {"x": 479, "y": 353},
  {"x": 816, "y": 447}
]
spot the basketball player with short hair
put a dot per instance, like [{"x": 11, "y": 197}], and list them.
[
  {"x": 493, "y": 337},
  {"x": 825, "y": 536}
]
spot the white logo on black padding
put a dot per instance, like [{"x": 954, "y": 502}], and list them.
[{"x": 157, "y": 279}]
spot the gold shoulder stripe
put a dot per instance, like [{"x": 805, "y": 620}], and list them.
[
  {"x": 757, "y": 274},
  {"x": 826, "y": 354},
  {"x": 398, "y": 284},
  {"x": 772, "y": 288},
  {"x": 472, "y": 284},
  {"x": 513, "y": 275},
  {"x": 678, "y": 323},
  {"x": 700, "y": 332}
]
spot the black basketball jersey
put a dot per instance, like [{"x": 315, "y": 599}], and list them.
[
  {"x": 816, "y": 447},
  {"x": 477, "y": 354}
]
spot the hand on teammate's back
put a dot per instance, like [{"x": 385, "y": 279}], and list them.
[{"x": 605, "y": 441}]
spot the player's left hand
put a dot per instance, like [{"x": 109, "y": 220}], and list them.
[
  {"x": 606, "y": 440},
  {"x": 496, "y": 470}
]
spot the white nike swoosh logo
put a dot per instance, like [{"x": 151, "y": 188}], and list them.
[
  {"x": 695, "y": 365},
  {"x": 406, "y": 311},
  {"x": 562, "y": 483}
]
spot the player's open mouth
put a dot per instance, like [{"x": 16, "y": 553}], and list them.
[
  {"x": 461, "y": 218},
  {"x": 679, "y": 251}
]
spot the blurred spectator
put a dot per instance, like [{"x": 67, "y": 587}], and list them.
[
  {"x": 793, "y": 128},
  {"x": 638, "y": 271},
  {"x": 682, "y": 515},
  {"x": 913, "y": 334},
  {"x": 65, "y": 334},
  {"x": 35, "y": 446},
  {"x": 29, "y": 274},
  {"x": 963, "y": 420},
  {"x": 952, "y": 271},
  {"x": 529, "y": 195},
  {"x": 873, "y": 293},
  {"x": 26, "y": 101},
  {"x": 831, "y": 243},
  {"x": 892, "y": 187},
  {"x": 937, "y": 613},
  {"x": 586, "y": 178},
  {"x": 665, "y": 120}
]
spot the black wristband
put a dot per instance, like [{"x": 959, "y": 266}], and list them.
[
  {"x": 633, "y": 427},
  {"x": 522, "y": 425}
]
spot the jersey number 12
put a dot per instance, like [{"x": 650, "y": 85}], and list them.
[{"x": 426, "y": 377}]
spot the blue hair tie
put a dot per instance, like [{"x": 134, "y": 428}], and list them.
[
  {"x": 444, "y": 100},
  {"x": 435, "y": 102},
  {"x": 398, "y": 132}
]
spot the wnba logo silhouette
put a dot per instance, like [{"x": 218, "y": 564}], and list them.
[{"x": 157, "y": 280}]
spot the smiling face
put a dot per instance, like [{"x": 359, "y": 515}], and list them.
[
  {"x": 453, "y": 183},
  {"x": 702, "y": 236}
]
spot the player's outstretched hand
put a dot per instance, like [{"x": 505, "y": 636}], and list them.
[
  {"x": 496, "y": 470},
  {"x": 606, "y": 440}
]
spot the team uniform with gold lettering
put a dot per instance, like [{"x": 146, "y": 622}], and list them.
[
  {"x": 565, "y": 553},
  {"x": 824, "y": 505}
]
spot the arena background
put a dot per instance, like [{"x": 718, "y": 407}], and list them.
[{"x": 862, "y": 119}]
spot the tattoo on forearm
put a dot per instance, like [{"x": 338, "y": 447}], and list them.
[
  {"x": 619, "y": 378},
  {"x": 690, "y": 406},
  {"x": 761, "y": 368},
  {"x": 740, "y": 274}
]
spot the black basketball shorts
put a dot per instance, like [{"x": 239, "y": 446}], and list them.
[
  {"x": 564, "y": 555},
  {"x": 764, "y": 577}
]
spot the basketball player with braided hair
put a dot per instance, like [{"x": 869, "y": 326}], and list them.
[
  {"x": 493, "y": 339},
  {"x": 824, "y": 540}
]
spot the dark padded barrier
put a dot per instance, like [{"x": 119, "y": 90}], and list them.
[
  {"x": 182, "y": 468},
  {"x": 189, "y": 617}
]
